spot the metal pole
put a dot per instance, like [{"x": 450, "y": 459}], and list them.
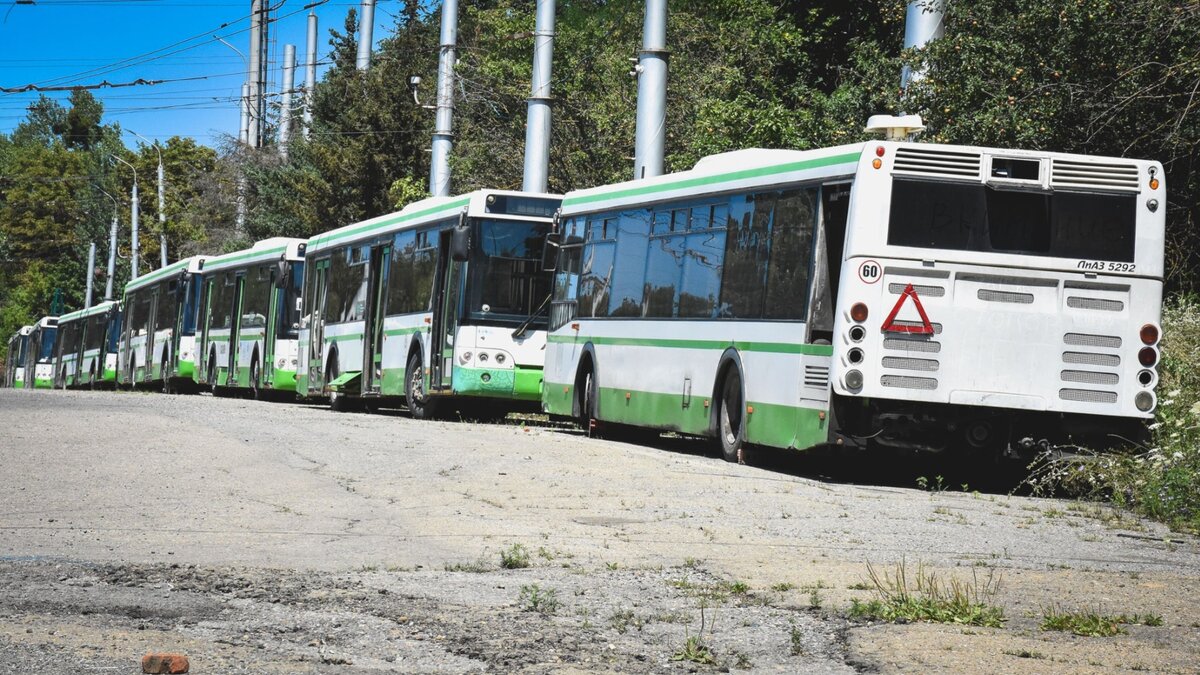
[
  {"x": 310, "y": 71},
  {"x": 133, "y": 217},
  {"x": 112, "y": 255},
  {"x": 244, "y": 130},
  {"x": 924, "y": 23},
  {"x": 652, "y": 93},
  {"x": 254, "y": 73},
  {"x": 162, "y": 213},
  {"x": 366, "y": 28},
  {"x": 285, "y": 99},
  {"x": 87, "y": 301},
  {"x": 538, "y": 115},
  {"x": 439, "y": 167}
]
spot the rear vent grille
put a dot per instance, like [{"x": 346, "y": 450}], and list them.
[
  {"x": 906, "y": 382},
  {"x": 1085, "y": 377},
  {"x": 1087, "y": 396},
  {"x": 1068, "y": 174},
  {"x": 1095, "y": 303},
  {"x": 816, "y": 376},
  {"x": 927, "y": 161},
  {"x": 901, "y": 363},
  {"x": 923, "y": 291},
  {"x": 1085, "y": 359},
  {"x": 911, "y": 345},
  {"x": 1005, "y": 296},
  {"x": 1086, "y": 340}
]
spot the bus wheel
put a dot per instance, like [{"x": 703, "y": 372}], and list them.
[
  {"x": 212, "y": 375},
  {"x": 92, "y": 379},
  {"x": 255, "y": 385},
  {"x": 586, "y": 396},
  {"x": 732, "y": 430},
  {"x": 167, "y": 386},
  {"x": 419, "y": 405}
]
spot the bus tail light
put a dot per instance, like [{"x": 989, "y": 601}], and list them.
[
  {"x": 880, "y": 150},
  {"x": 1153, "y": 183},
  {"x": 1144, "y": 401},
  {"x": 1149, "y": 334},
  {"x": 1147, "y": 356},
  {"x": 859, "y": 312},
  {"x": 877, "y": 163}
]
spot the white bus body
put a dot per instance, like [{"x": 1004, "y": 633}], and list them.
[
  {"x": 158, "y": 337},
  {"x": 15, "y": 364},
  {"x": 87, "y": 342},
  {"x": 394, "y": 279},
  {"x": 250, "y": 301},
  {"x": 735, "y": 281},
  {"x": 39, "y": 354}
]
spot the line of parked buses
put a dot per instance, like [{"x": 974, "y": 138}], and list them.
[{"x": 877, "y": 295}]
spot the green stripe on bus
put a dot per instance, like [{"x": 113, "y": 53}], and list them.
[
  {"x": 330, "y": 237},
  {"x": 342, "y": 338},
  {"x": 762, "y": 347},
  {"x": 406, "y": 331},
  {"x": 220, "y": 261},
  {"x": 157, "y": 274},
  {"x": 720, "y": 178}
]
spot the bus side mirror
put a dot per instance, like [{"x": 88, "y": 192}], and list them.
[
  {"x": 460, "y": 240},
  {"x": 281, "y": 273},
  {"x": 550, "y": 249}
]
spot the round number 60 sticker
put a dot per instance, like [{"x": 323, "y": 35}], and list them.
[{"x": 870, "y": 271}]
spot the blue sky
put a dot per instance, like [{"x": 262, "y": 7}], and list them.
[{"x": 64, "y": 42}]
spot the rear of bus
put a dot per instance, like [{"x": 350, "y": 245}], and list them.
[{"x": 998, "y": 300}]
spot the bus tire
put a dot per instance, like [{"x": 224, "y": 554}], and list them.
[
  {"x": 212, "y": 375},
  {"x": 92, "y": 379},
  {"x": 256, "y": 391},
  {"x": 731, "y": 419},
  {"x": 420, "y": 406},
  {"x": 168, "y": 387},
  {"x": 585, "y": 397}
]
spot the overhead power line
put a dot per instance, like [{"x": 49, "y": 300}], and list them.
[{"x": 101, "y": 85}]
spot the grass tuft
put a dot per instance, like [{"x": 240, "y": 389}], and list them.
[
  {"x": 902, "y": 598},
  {"x": 534, "y": 598},
  {"x": 514, "y": 557},
  {"x": 1089, "y": 623}
]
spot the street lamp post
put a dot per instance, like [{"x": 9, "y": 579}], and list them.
[
  {"x": 162, "y": 215},
  {"x": 112, "y": 245},
  {"x": 133, "y": 216}
]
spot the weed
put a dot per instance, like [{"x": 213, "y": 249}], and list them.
[
  {"x": 695, "y": 647},
  {"x": 622, "y": 619},
  {"x": 859, "y": 586},
  {"x": 783, "y": 587},
  {"x": 478, "y": 566},
  {"x": 925, "y": 597},
  {"x": 1024, "y": 654},
  {"x": 739, "y": 587},
  {"x": 814, "y": 599},
  {"x": 691, "y": 563},
  {"x": 514, "y": 557},
  {"x": 534, "y": 598},
  {"x": 1089, "y": 623},
  {"x": 742, "y": 661},
  {"x": 938, "y": 484},
  {"x": 797, "y": 641},
  {"x": 612, "y": 566}
]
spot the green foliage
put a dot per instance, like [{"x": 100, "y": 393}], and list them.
[
  {"x": 925, "y": 597},
  {"x": 534, "y": 598},
  {"x": 1163, "y": 481},
  {"x": 514, "y": 557},
  {"x": 1092, "y": 623}
]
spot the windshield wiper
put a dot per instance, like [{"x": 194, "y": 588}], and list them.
[{"x": 520, "y": 331}]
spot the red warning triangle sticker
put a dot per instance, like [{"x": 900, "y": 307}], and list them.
[{"x": 890, "y": 325}]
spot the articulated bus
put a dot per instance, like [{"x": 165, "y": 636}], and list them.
[
  {"x": 443, "y": 299},
  {"x": 878, "y": 295},
  {"x": 39, "y": 354},
  {"x": 86, "y": 355},
  {"x": 250, "y": 318},
  {"x": 158, "y": 340},
  {"x": 14, "y": 365}
]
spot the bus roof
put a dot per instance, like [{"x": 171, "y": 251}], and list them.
[
  {"x": 98, "y": 308},
  {"x": 191, "y": 264},
  {"x": 719, "y": 173},
  {"x": 420, "y": 213},
  {"x": 267, "y": 250},
  {"x": 46, "y": 322}
]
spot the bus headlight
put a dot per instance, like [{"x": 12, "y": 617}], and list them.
[
  {"x": 1144, "y": 401},
  {"x": 854, "y": 380}
]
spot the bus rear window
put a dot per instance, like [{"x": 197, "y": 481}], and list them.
[{"x": 962, "y": 217}]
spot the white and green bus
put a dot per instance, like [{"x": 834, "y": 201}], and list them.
[
  {"x": 250, "y": 318},
  {"x": 14, "y": 364},
  {"x": 39, "y": 354},
  {"x": 86, "y": 355},
  {"x": 158, "y": 338},
  {"x": 442, "y": 302},
  {"x": 877, "y": 295}
]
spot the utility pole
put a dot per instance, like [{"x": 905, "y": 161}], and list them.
[
  {"x": 924, "y": 23},
  {"x": 162, "y": 215},
  {"x": 310, "y": 71},
  {"x": 253, "y": 74},
  {"x": 91, "y": 273},
  {"x": 651, "y": 71},
  {"x": 112, "y": 245},
  {"x": 439, "y": 166},
  {"x": 244, "y": 129},
  {"x": 538, "y": 115},
  {"x": 285, "y": 99},
  {"x": 133, "y": 225},
  {"x": 366, "y": 30}
]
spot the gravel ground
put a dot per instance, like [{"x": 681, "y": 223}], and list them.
[{"x": 276, "y": 538}]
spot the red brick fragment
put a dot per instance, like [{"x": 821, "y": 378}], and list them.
[{"x": 164, "y": 662}]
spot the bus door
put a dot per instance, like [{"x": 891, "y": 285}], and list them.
[
  {"x": 316, "y": 325},
  {"x": 447, "y": 298},
  {"x": 148, "y": 361},
  {"x": 202, "y": 326},
  {"x": 235, "y": 330},
  {"x": 381, "y": 256}
]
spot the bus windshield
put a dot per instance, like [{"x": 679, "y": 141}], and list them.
[
  {"x": 46, "y": 349},
  {"x": 973, "y": 217},
  {"x": 506, "y": 282},
  {"x": 289, "y": 309},
  {"x": 114, "y": 332}
]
